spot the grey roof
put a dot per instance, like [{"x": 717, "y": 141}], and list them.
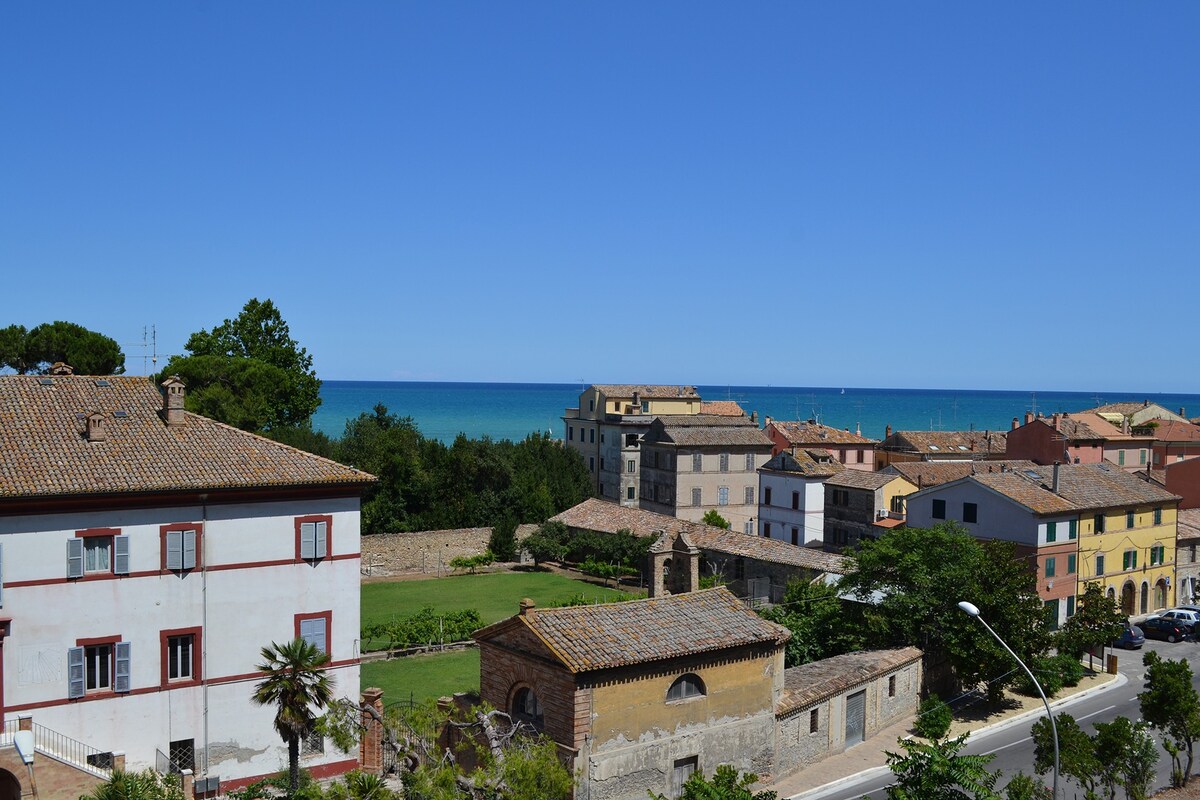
[
  {"x": 1081, "y": 487},
  {"x": 705, "y": 430},
  {"x": 932, "y": 473},
  {"x": 861, "y": 479},
  {"x": 803, "y": 464},
  {"x": 809, "y": 684}
]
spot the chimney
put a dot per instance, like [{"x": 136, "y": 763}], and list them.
[
  {"x": 1054, "y": 486},
  {"x": 858, "y": 429},
  {"x": 1028, "y": 417},
  {"x": 754, "y": 417},
  {"x": 1057, "y": 418},
  {"x": 173, "y": 394},
  {"x": 887, "y": 432},
  {"x": 526, "y": 606},
  {"x": 637, "y": 402},
  {"x": 1125, "y": 425},
  {"x": 95, "y": 427},
  {"x": 59, "y": 368},
  {"x": 1015, "y": 424},
  {"x": 767, "y": 420},
  {"x": 1182, "y": 412}
]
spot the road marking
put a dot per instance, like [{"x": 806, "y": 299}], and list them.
[
  {"x": 1006, "y": 746},
  {"x": 1094, "y": 713}
]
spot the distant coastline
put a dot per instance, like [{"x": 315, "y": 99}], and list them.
[{"x": 444, "y": 409}]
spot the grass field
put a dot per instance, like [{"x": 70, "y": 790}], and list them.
[
  {"x": 494, "y": 595},
  {"x": 424, "y": 676}
]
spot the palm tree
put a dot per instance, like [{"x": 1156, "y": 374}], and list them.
[{"x": 295, "y": 682}]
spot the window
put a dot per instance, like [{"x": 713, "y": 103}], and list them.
[
  {"x": 796, "y": 536},
  {"x": 795, "y": 501},
  {"x": 724, "y": 462},
  {"x": 98, "y": 665},
  {"x": 1158, "y": 554},
  {"x": 939, "y": 509},
  {"x": 1070, "y": 563},
  {"x": 1051, "y": 608},
  {"x": 767, "y": 529},
  {"x": 1050, "y": 567},
  {"x": 1100, "y": 564},
  {"x": 313, "y": 743},
  {"x": 892, "y": 686},
  {"x": 631, "y": 466},
  {"x": 859, "y": 455},
  {"x": 602, "y": 463},
  {"x": 1099, "y": 523},
  {"x": 1129, "y": 519},
  {"x": 842, "y": 456},
  {"x": 748, "y": 527},
  {"x": 313, "y": 537},
  {"x": 591, "y": 435},
  {"x": 749, "y": 462},
  {"x": 841, "y": 497},
  {"x": 591, "y": 463},
  {"x": 181, "y": 755},
  {"x": 814, "y": 720},
  {"x": 180, "y": 546},
  {"x": 631, "y": 440},
  {"x": 527, "y": 709},
  {"x": 686, "y": 686},
  {"x": 629, "y": 493},
  {"x": 97, "y": 551},
  {"x": 1071, "y": 606},
  {"x": 766, "y": 495},
  {"x": 722, "y": 495},
  {"x": 646, "y": 407},
  {"x": 1129, "y": 560},
  {"x": 1121, "y": 457},
  {"x": 1051, "y": 532},
  {"x": 739, "y": 569},
  {"x": 697, "y": 462},
  {"x": 696, "y": 496},
  {"x": 970, "y": 512},
  {"x": 1141, "y": 456},
  {"x": 749, "y": 495},
  {"x": 570, "y": 434},
  {"x": 315, "y": 629},
  {"x": 180, "y": 649},
  {"x": 1158, "y": 516},
  {"x": 1072, "y": 529},
  {"x": 592, "y": 404},
  {"x": 681, "y": 771}
]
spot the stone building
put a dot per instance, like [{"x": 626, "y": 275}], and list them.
[{"x": 862, "y": 505}]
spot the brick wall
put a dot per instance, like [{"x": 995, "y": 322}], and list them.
[
  {"x": 564, "y": 708},
  {"x": 425, "y": 551},
  {"x": 54, "y": 778}
]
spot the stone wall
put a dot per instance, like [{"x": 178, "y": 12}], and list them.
[{"x": 425, "y": 552}]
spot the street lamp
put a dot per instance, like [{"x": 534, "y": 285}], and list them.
[{"x": 972, "y": 610}]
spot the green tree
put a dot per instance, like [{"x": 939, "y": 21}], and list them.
[
  {"x": 938, "y": 771},
  {"x": 822, "y": 625},
  {"x": 1025, "y": 787},
  {"x": 294, "y": 682},
  {"x": 711, "y": 517},
  {"x": 144, "y": 785},
  {"x": 88, "y": 352},
  {"x": 920, "y": 575},
  {"x": 547, "y": 543},
  {"x": 933, "y": 719},
  {"x": 1097, "y": 621},
  {"x": 503, "y": 541},
  {"x": 1127, "y": 755},
  {"x": 1171, "y": 704},
  {"x": 725, "y": 784},
  {"x": 1077, "y": 752},
  {"x": 249, "y": 372}
]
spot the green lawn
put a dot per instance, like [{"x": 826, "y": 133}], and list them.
[
  {"x": 423, "y": 677},
  {"x": 494, "y": 595}
]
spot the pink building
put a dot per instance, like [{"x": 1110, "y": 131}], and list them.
[
  {"x": 1078, "y": 438},
  {"x": 852, "y": 449}
]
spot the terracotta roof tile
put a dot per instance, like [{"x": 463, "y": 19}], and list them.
[
  {"x": 651, "y": 391},
  {"x": 976, "y": 444},
  {"x": 809, "y": 684},
  {"x": 726, "y": 408},
  {"x": 813, "y": 433},
  {"x": 593, "y": 637},
  {"x": 804, "y": 464},
  {"x": 44, "y": 450},
  {"x": 1172, "y": 431},
  {"x": 705, "y": 430},
  {"x": 861, "y": 479},
  {"x": 1081, "y": 487},
  {"x": 932, "y": 473},
  {"x": 1188, "y": 524}
]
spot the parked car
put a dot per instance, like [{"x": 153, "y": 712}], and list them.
[
  {"x": 1186, "y": 607},
  {"x": 1162, "y": 628},
  {"x": 1189, "y": 618},
  {"x": 1131, "y": 638}
]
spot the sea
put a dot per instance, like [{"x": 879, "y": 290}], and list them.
[{"x": 514, "y": 410}]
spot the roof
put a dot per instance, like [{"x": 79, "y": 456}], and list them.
[
  {"x": 932, "y": 473},
  {"x": 646, "y": 390},
  {"x": 861, "y": 479},
  {"x": 809, "y": 684},
  {"x": 705, "y": 430},
  {"x": 593, "y": 637},
  {"x": 1187, "y": 525},
  {"x": 803, "y": 464},
  {"x": 811, "y": 432},
  {"x": 975, "y": 444},
  {"x": 44, "y": 451},
  {"x": 727, "y": 408},
  {"x": 1118, "y": 410},
  {"x": 599, "y": 515},
  {"x": 1169, "y": 430},
  {"x": 1081, "y": 487}
]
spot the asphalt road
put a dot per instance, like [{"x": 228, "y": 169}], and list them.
[{"x": 1013, "y": 746}]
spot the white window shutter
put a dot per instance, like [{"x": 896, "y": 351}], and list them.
[
  {"x": 120, "y": 555},
  {"x": 75, "y": 559},
  {"x": 308, "y": 540},
  {"x": 121, "y": 672},
  {"x": 189, "y": 549},
  {"x": 313, "y": 632},
  {"x": 174, "y": 549},
  {"x": 75, "y": 673},
  {"x": 322, "y": 539}
]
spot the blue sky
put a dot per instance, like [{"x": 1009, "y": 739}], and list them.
[{"x": 946, "y": 195}]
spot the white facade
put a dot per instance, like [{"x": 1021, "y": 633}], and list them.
[
  {"x": 249, "y": 587},
  {"x": 791, "y": 507}
]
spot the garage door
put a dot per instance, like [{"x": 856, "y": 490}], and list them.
[{"x": 856, "y": 718}]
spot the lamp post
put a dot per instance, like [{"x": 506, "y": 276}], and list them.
[{"x": 972, "y": 610}]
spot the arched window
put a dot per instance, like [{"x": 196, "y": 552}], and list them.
[
  {"x": 686, "y": 686},
  {"x": 527, "y": 709}
]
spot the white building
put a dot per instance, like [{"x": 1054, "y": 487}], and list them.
[
  {"x": 791, "y": 492},
  {"x": 148, "y": 554}
]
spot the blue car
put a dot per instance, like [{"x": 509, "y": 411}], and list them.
[{"x": 1131, "y": 638}]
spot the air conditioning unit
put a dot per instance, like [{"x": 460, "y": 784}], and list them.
[{"x": 882, "y": 513}]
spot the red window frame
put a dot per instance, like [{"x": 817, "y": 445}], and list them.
[
  {"x": 198, "y": 527},
  {"x": 164, "y": 637},
  {"x": 99, "y": 641},
  {"x": 328, "y": 520},
  {"x": 328, "y": 617}
]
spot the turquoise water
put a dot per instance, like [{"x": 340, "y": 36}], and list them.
[{"x": 514, "y": 410}]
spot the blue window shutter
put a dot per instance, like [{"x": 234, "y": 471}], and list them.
[
  {"x": 121, "y": 673},
  {"x": 174, "y": 549},
  {"x": 322, "y": 539},
  {"x": 313, "y": 632},
  {"x": 308, "y": 540},
  {"x": 75, "y": 561},
  {"x": 75, "y": 671},
  {"x": 120, "y": 555},
  {"x": 189, "y": 549}
]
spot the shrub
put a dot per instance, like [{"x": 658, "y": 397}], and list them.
[
  {"x": 1049, "y": 675},
  {"x": 1070, "y": 669},
  {"x": 423, "y": 628},
  {"x": 933, "y": 718},
  {"x": 471, "y": 563}
]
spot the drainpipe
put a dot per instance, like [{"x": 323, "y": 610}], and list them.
[{"x": 204, "y": 620}]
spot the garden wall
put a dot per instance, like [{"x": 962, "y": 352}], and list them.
[{"x": 425, "y": 552}]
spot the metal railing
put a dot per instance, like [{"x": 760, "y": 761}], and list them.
[{"x": 63, "y": 748}]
